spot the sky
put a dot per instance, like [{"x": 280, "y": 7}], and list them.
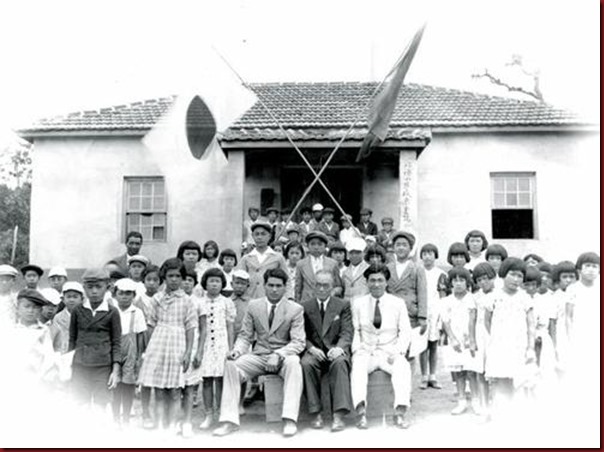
[{"x": 65, "y": 55}]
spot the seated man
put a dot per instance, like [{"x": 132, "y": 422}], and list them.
[
  {"x": 277, "y": 326},
  {"x": 381, "y": 338},
  {"x": 328, "y": 325}
]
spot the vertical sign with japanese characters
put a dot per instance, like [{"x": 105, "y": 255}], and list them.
[{"x": 408, "y": 191}]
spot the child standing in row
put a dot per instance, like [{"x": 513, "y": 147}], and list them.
[
  {"x": 476, "y": 242},
  {"x": 133, "y": 343},
  {"x": 510, "y": 323},
  {"x": 459, "y": 322},
  {"x": 294, "y": 253},
  {"x": 73, "y": 295},
  {"x": 217, "y": 337},
  {"x": 228, "y": 262},
  {"x": 168, "y": 354}
]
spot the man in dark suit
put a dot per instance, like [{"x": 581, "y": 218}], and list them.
[
  {"x": 328, "y": 326},
  {"x": 366, "y": 226}
]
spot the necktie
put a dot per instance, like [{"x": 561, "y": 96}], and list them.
[
  {"x": 322, "y": 309},
  {"x": 271, "y": 316},
  {"x": 377, "y": 315}
]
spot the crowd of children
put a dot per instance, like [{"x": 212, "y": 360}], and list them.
[{"x": 503, "y": 325}]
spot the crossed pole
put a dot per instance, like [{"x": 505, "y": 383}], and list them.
[{"x": 317, "y": 176}]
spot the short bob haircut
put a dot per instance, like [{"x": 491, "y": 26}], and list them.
[
  {"x": 377, "y": 268},
  {"x": 460, "y": 272},
  {"x": 213, "y": 272},
  {"x": 427, "y": 248},
  {"x": 192, "y": 274},
  {"x": 483, "y": 269},
  {"x": 375, "y": 250},
  {"x": 227, "y": 253},
  {"x": 496, "y": 250},
  {"x": 173, "y": 263},
  {"x": 189, "y": 245},
  {"x": 291, "y": 246},
  {"x": 545, "y": 267},
  {"x": 276, "y": 273},
  {"x": 336, "y": 246},
  {"x": 533, "y": 256},
  {"x": 563, "y": 267},
  {"x": 512, "y": 264},
  {"x": 211, "y": 244},
  {"x": 458, "y": 248},
  {"x": 476, "y": 233},
  {"x": 587, "y": 258},
  {"x": 150, "y": 269},
  {"x": 532, "y": 275}
]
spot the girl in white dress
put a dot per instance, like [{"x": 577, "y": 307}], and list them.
[
  {"x": 564, "y": 276},
  {"x": 495, "y": 255},
  {"x": 476, "y": 242}
]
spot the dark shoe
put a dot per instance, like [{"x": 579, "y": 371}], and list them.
[
  {"x": 399, "y": 417},
  {"x": 434, "y": 384},
  {"x": 424, "y": 384},
  {"x": 362, "y": 416},
  {"x": 225, "y": 429},
  {"x": 317, "y": 422},
  {"x": 289, "y": 428},
  {"x": 337, "y": 424}
]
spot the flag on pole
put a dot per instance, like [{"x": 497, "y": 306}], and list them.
[{"x": 382, "y": 107}]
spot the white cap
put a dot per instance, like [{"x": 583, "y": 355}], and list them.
[
  {"x": 317, "y": 206},
  {"x": 241, "y": 274},
  {"x": 138, "y": 258},
  {"x": 73, "y": 286},
  {"x": 57, "y": 271},
  {"x": 356, "y": 244},
  {"x": 51, "y": 295},
  {"x": 8, "y": 270},
  {"x": 126, "y": 284}
]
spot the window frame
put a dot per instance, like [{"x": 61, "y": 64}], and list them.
[
  {"x": 127, "y": 211},
  {"x": 531, "y": 205}
]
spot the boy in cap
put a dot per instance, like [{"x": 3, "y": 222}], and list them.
[
  {"x": 327, "y": 225},
  {"x": 348, "y": 231},
  {"x": 354, "y": 282},
  {"x": 293, "y": 233},
  {"x": 306, "y": 223},
  {"x": 73, "y": 295},
  {"x": 95, "y": 334},
  {"x": 57, "y": 276},
  {"x": 8, "y": 298},
  {"x": 253, "y": 214},
  {"x": 136, "y": 266},
  {"x": 49, "y": 309},
  {"x": 366, "y": 226},
  {"x": 384, "y": 237},
  {"x": 317, "y": 214},
  {"x": 31, "y": 274}
]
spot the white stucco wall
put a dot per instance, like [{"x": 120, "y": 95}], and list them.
[
  {"x": 454, "y": 189},
  {"x": 78, "y": 195}
]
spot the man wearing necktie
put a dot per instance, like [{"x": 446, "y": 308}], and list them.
[
  {"x": 382, "y": 334},
  {"x": 328, "y": 325},
  {"x": 277, "y": 326}
]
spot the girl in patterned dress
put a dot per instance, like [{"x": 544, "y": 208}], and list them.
[
  {"x": 168, "y": 355},
  {"x": 217, "y": 337},
  {"x": 209, "y": 258},
  {"x": 510, "y": 323},
  {"x": 193, "y": 374}
]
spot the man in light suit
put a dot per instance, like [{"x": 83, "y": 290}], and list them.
[
  {"x": 328, "y": 325},
  {"x": 309, "y": 266},
  {"x": 353, "y": 280},
  {"x": 277, "y": 326},
  {"x": 381, "y": 338}
]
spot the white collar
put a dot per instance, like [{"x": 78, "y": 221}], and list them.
[
  {"x": 324, "y": 302},
  {"x": 104, "y": 306},
  {"x": 257, "y": 253},
  {"x": 132, "y": 308}
]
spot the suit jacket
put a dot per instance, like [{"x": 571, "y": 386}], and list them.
[
  {"x": 95, "y": 339},
  {"x": 355, "y": 285},
  {"x": 394, "y": 335},
  {"x": 411, "y": 287},
  {"x": 306, "y": 280},
  {"x": 333, "y": 233},
  {"x": 336, "y": 328},
  {"x": 286, "y": 335},
  {"x": 370, "y": 229},
  {"x": 256, "y": 270}
]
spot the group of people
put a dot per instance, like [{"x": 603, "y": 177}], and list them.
[{"x": 303, "y": 301}]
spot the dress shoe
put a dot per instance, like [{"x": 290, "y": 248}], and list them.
[
  {"x": 434, "y": 384},
  {"x": 337, "y": 424},
  {"x": 289, "y": 428},
  {"x": 399, "y": 417},
  {"x": 317, "y": 422},
  {"x": 361, "y": 416},
  {"x": 225, "y": 429}
]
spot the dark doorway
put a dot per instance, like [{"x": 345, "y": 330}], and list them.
[{"x": 345, "y": 183}]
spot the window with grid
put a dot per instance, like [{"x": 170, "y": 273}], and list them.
[
  {"x": 512, "y": 205},
  {"x": 146, "y": 207}
]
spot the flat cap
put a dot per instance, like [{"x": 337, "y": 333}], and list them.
[
  {"x": 316, "y": 235},
  {"x": 366, "y": 211},
  {"x": 126, "y": 284},
  {"x": 241, "y": 274},
  {"x": 57, "y": 271},
  {"x": 317, "y": 206},
  {"x": 51, "y": 295},
  {"x": 272, "y": 209},
  {"x": 262, "y": 224},
  {"x": 34, "y": 296},
  {"x": 330, "y": 210},
  {"x": 95, "y": 274},
  {"x": 356, "y": 244},
  {"x": 8, "y": 270},
  {"x": 32, "y": 267},
  {"x": 406, "y": 235},
  {"x": 73, "y": 286},
  {"x": 138, "y": 258}
]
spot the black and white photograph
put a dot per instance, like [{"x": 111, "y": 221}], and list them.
[{"x": 300, "y": 224}]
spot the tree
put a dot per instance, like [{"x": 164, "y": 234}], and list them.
[{"x": 516, "y": 77}]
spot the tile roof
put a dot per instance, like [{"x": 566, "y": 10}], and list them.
[{"x": 323, "y": 111}]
